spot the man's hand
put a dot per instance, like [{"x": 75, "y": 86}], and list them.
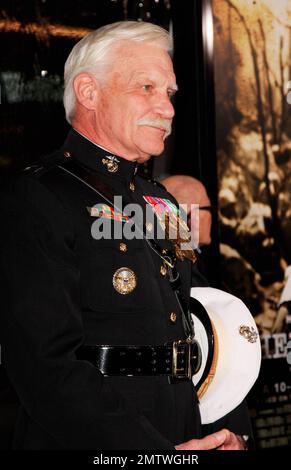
[
  {"x": 221, "y": 440},
  {"x": 233, "y": 442}
]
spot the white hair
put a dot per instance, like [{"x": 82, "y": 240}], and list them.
[{"x": 91, "y": 54}]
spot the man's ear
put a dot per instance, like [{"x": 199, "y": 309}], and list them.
[{"x": 87, "y": 89}]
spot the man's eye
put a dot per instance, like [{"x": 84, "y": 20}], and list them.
[{"x": 147, "y": 87}]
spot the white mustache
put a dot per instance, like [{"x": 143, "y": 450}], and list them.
[{"x": 158, "y": 123}]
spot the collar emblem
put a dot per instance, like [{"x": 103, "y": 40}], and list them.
[{"x": 111, "y": 163}]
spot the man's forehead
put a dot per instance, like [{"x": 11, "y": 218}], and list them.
[{"x": 141, "y": 56}]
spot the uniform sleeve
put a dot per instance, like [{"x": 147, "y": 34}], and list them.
[{"x": 41, "y": 329}]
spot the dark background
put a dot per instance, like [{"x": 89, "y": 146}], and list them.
[{"x": 37, "y": 36}]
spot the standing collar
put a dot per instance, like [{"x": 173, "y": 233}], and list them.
[{"x": 97, "y": 158}]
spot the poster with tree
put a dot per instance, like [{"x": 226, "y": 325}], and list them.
[{"x": 253, "y": 116}]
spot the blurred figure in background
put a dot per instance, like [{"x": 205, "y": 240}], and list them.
[{"x": 189, "y": 190}]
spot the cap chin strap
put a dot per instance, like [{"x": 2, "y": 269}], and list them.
[
  {"x": 198, "y": 310},
  {"x": 204, "y": 385}
]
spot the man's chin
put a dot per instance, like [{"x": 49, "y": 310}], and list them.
[
  {"x": 155, "y": 152},
  {"x": 143, "y": 158},
  {"x": 158, "y": 153}
]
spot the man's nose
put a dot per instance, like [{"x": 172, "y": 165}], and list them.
[{"x": 164, "y": 107}]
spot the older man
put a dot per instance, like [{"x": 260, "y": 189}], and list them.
[
  {"x": 190, "y": 192},
  {"x": 90, "y": 324}
]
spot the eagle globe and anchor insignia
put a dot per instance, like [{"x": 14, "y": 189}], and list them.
[
  {"x": 124, "y": 280},
  {"x": 111, "y": 163}
]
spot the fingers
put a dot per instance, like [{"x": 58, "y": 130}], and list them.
[
  {"x": 212, "y": 441},
  {"x": 233, "y": 442}
]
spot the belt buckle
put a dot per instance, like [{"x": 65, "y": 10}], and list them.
[{"x": 184, "y": 372}]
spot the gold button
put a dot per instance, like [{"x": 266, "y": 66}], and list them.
[
  {"x": 132, "y": 186},
  {"x": 149, "y": 227},
  {"x": 67, "y": 154},
  {"x": 123, "y": 247},
  {"x": 163, "y": 270},
  {"x": 173, "y": 317}
]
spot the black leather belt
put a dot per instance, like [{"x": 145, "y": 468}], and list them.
[{"x": 179, "y": 360}]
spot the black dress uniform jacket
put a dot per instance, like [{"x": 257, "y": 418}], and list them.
[{"x": 58, "y": 294}]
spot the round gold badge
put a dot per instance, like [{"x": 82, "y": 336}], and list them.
[{"x": 124, "y": 280}]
